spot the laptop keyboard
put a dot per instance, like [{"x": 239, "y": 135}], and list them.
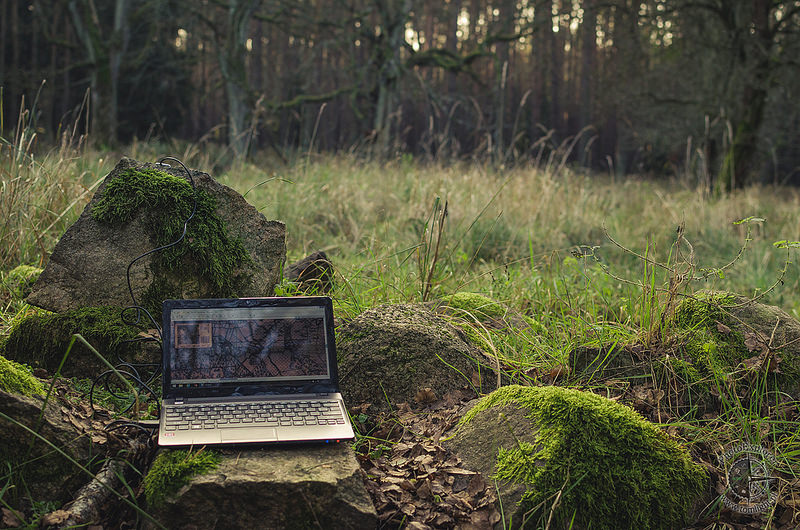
[{"x": 266, "y": 414}]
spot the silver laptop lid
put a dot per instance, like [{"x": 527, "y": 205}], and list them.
[{"x": 248, "y": 347}]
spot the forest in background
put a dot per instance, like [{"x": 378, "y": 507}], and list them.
[{"x": 702, "y": 89}]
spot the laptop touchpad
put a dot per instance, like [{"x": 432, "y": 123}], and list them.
[{"x": 249, "y": 434}]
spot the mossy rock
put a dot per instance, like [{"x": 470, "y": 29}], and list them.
[
  {"x": 19, "y": 280},
  {"x": 720, "y": 331},
  {"x": 16, "y": 378},
  {"x": 173, "y": 469},
  {"x": 229, "y": 249},
  {"x": 42, "y": 340},
  {"x": 36, "y": 471},
  {"x": 389, "y": 353},
  {"x": 304, "y": 486},
  {"x": 609, "y": 467},
  {"x": 478, "y": 308}
]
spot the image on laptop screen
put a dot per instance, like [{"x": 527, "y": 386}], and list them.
[{"x": 248, "y": 346}]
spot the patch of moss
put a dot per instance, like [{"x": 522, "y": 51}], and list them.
[
  {"x": 710, "y": 349},
  {"x": 172, "y": 469},
  {"x": 477, "y": 304},
  {"x": 17, "y": 378},
  {"x": 207, "y": 251},
  {"x": 19, "y": 280},
  {"x": 42, "y": 340},
  {"x": 489, "y": 325},
  {"x": 483, "y": 308},
  {"x": 614, "y": 469}
]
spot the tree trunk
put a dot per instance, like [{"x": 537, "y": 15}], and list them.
[
  {"x": 393, "y": 15},
  {"x": 588, "y": 60},
  {"x": 104, "y": 55},
  {"x": 233, "y": 67}
]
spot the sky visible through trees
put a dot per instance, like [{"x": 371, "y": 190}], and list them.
[{"x": 701, "y": 88}]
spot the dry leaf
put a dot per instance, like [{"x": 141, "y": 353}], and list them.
[
  {"x": 722, "y": 328},
  {"x": 10, "y": 519},
  {"x": 54, "y": 518},
  {"x": 559, "y": 370},
  {"x": 425, "y": 395},
  {"x": 475, "y": 379},
  {"x": 753, "y": 342}
]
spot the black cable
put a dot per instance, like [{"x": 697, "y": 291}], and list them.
[
  {"x": 135, "y": 306},
  {"x": 130, "y": 371},
  {"x": 141, "y": 384}
]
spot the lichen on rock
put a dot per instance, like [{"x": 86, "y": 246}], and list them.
[
  {"x": 390, "y": 352},
  {"x": 609, "y": 467}
]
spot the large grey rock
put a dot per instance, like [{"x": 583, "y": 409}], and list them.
[
  {"x": 308, "y": 486},
  {"x": 88, "y": 265},
  {"x": 390, "y": 353}
]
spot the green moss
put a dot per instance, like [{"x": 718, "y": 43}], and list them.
[
  {"x": 477, "y": 304},
  {"x": 17, "y": 379},
  {"x": 613, "y": 468},
  {"x": 207, "y": 251},
  {"x": 482, "y": 308},
  {"x": 687, "y": 372},
  {"x": 700, "y": 321},
  {"x": 18, "y": 281},
  {"x": 42, "y": 340},
  {"x": 172, "y": 469},
  {"x": 489, "y": 325}
]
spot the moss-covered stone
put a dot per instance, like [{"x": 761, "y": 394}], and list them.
[
  {"x": 17, "y": 378},
  {"x": 610, "y": 467},
  {"x": 720, "y": 331},
  {"x": 19, "y": 280},
  {"x": 712, "y": 350},
  {"x": 173, "y": 469},
  {"x": 207, "y": 250},
  {"x": 483, "y": 309},
  {"x": 390, "y": 352},
  {"x": 42, "y": 340}
]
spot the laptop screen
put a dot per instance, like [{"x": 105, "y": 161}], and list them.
[{"x": 246, "y": 346}]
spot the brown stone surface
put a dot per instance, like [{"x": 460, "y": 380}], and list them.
[
  {"x": 304, "y": 486},
  {"x": 477, "y": 443},
  {"x": 313, "y": 274}
]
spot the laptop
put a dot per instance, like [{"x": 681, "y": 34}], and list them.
[{"x": 250, "y": 370}]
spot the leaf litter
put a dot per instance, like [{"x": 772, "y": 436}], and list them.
[{"x": 416, "y": 483}]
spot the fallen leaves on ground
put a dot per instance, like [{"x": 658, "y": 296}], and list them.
[{"x": 415, "y": 483}]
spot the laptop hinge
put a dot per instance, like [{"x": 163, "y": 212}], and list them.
[{"x": 179, "y": 401}]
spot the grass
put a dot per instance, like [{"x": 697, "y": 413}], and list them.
[{"x": 562, "y": 247}]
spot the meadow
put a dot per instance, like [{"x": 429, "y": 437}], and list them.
[
  {"x": 594, "y": 259},
  {"x": 539, "y": 237}
]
